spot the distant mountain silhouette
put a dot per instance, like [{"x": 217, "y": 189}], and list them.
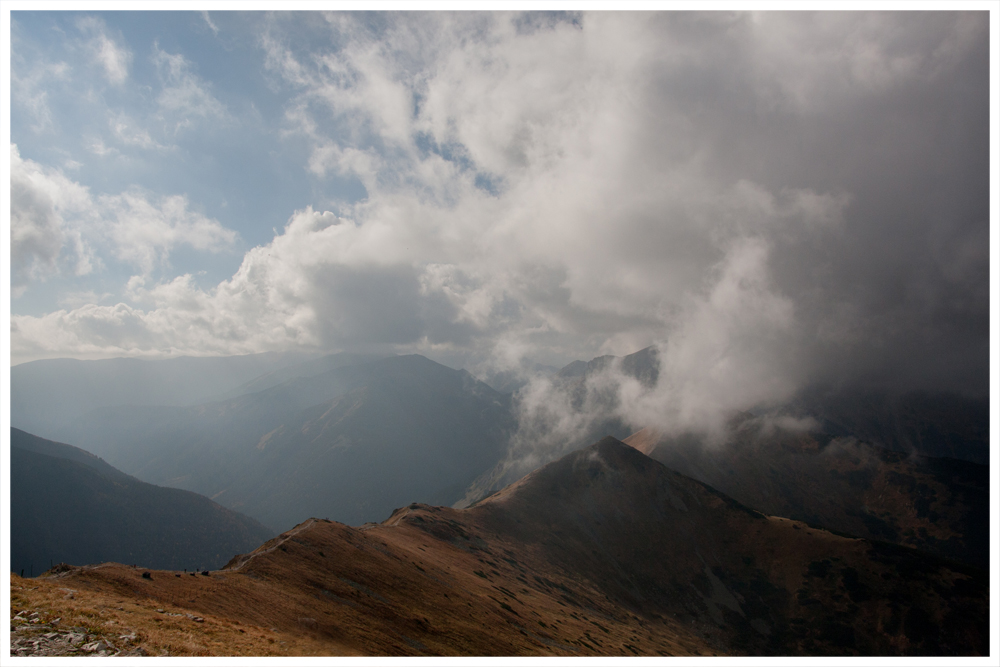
[
  {"x": 68, "y": 505},
  {"x": 603, "y": 552},
  {"x": 349, "y": 443}
]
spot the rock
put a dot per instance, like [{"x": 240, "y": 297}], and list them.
[
  {"x": 60, "y": 568},
  {"x": 94, "y": 647}
]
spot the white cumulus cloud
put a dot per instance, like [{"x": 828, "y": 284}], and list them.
[
  {"x": 58, "y": 225},
  {"x": 44, "y": 208}
]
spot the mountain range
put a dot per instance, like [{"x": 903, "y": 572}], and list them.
[
  {"x": 349, "y": 437},
  {"x": 345, "y": 437},
  {"x": 602, "y": 552}
]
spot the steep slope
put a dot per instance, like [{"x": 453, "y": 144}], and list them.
[
  {"x": 937, "y": 505},
  {"x": 604, "y": 552},
  {"x": 49, "y": 394},
  {"x": 350, "y": 443},
  {"x": 69, "y": 506},
  {"x": 26, "y": 441}
]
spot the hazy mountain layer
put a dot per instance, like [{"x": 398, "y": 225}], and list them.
[
  {"x": 70, "y": 506},
  {"x": 350, "y": 443},
  {"x": 604, "y": 552},
  {"x": 509, "y": 381},
  {"x": 305, "y": 369}
]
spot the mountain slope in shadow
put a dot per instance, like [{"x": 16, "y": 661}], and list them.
[
  {"x": 69, "y": 506},
  {"x": 938, "y": 505}
]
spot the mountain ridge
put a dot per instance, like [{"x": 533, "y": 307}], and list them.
[{"x": 551, "y": 567}]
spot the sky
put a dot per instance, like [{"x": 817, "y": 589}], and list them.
[{"x": 772, "y": 199}]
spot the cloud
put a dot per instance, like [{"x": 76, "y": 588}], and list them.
[
  {"x": 144, "y": 229},
  {"x": 29, "y": 90},
  {"x": 735, "y": 347},
  {"x": 105, "y": 51},
  {"x": 128, "y": 133},
  {"x": 58, "y": 225},
  {"x": 42, "y": 207},
  {"x": 184, "y": 94},
  {"x": 771, "y": 199},
  {"x": 210, "y": 23}
]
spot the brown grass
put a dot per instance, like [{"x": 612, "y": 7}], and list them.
[{"x": 109, "y": 616}]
